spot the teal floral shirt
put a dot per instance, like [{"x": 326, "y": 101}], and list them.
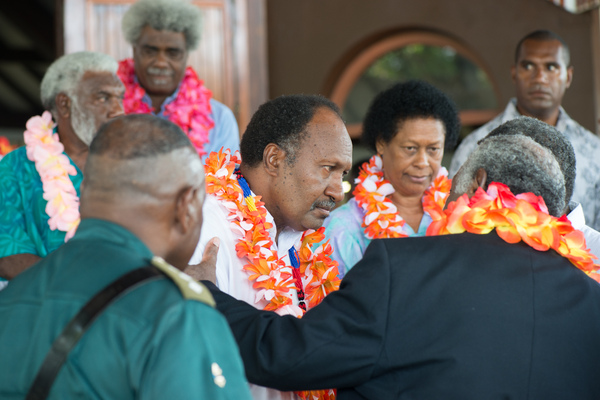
[{"x": 23, "y": 219}]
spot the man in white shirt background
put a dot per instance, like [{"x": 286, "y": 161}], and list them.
[{"x": 542, "y": 73}]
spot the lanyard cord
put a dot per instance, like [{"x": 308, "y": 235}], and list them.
[{"x": 293, "y": 254}]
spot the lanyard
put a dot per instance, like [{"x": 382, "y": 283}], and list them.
[
  {"x": 292, "y": 251},
  {"x": 296, "y": 271}
]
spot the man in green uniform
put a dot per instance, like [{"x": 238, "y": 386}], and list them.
[{"x": 141, "y": 199}]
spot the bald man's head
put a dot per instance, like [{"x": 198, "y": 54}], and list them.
[
  {"x": 143, "y": 173},
  {"x": 137, "y": 153}
]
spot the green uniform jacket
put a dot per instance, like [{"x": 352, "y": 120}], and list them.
[{"x": 152, "y": 343}]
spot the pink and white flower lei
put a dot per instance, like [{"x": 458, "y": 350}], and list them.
[
  {"x": 372, "y": 193},
  {"x": 47, "y": 152},
  {"x": 190, "y": 110}
]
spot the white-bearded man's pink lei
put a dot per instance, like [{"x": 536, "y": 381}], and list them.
[{"x": 47, "y": 152}]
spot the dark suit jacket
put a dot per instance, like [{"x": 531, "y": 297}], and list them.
[{"x": 449, "y": 317}]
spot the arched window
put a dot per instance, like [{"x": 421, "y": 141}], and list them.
[{"x": 433, "y": 57}]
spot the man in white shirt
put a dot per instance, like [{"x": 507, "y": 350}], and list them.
[
  {"x": 542, "y": 73},
  {"x": 294, "y": 154},
  {"x": 592, "y": 236}
]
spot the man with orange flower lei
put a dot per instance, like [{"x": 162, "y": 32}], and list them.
[
  {"x": 162, "y": 33},
  {"x": 503, "y": 303},
  {"x": 39, "y": 183},
  {"x": 266, "y": 206}
]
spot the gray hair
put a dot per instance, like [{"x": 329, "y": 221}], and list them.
[
  {"x": 170, "y": 15},
  {"x": 64, "y": 75},
  {"x": 521, "y": 164},
  {"x": 548, "y": 137}
]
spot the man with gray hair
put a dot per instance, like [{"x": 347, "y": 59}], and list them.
[
  {"x": 162, "y": 33},
  {"x": 563, "y": 151},
  {"x": 519, "y": 163},
  {"x": 39, "y": 183},
  {"x": 483, "y": 311}
]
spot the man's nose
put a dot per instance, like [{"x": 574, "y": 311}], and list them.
[
  {"x": 335, "y": 189},
  {"x": 161, "y": 60},
  {"x": 540, "y": 75},
  {"x": 116, "y": 108}
]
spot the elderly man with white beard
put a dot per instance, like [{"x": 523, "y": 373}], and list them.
[{"x": 39, "y": 182}]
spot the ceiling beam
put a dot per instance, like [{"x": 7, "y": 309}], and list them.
[
  {"x": 12, "y": 119},
  {"x": 33, "y": 102},
  {"x": 20, "y": 55},
  {"x": 34, "y": 22}
]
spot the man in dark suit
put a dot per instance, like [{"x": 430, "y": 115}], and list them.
[{"x": 464, "y": 316}]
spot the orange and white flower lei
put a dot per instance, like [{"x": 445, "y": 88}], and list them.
[
  {"x": 372, "y": 193},
  {"x": 190, "y": 110},
  {"x": 272, "y": 278},
  {"x": 522, "y": 217},
  {"x": 46, "y": 151}
]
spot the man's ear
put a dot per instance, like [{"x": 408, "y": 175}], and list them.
[
  {"x": 569, "y": 76},
  {"x": 188, "y": 210},
  {"x": 273, "y": 158},
  {"x": 513, "y": 74},
  {"x": 63, "y": 105},
  {"x": 478, "y": 181}
]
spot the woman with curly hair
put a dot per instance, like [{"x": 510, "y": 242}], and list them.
[{"x": 407, "y": 126}]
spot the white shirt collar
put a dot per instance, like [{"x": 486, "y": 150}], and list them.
[{"x": 576, "y": 215}]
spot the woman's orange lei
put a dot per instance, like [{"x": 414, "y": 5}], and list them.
[
  {"x": 272, "y": 278},
  {"x": 190, "y": 110},
  {"x": 515, "y": 218},
  {"x": 381, "y": 218}
]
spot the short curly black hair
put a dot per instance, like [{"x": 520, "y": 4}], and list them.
[
  {"x": 404, "y": 101},
  {"x": 281, "y": 121},
  {"x": 544, "y": 35}
]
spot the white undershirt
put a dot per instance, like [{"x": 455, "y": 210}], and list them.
[{"x": 231, "y": 278}]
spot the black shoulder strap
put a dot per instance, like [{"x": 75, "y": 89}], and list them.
[{"x": 69, "y": 337}]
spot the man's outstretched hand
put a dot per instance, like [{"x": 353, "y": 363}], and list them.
[{"x": 207, "y": 269}]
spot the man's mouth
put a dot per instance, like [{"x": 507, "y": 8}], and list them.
[
  {"x": 323, "y": 205},
  {"x": 539, "y": 91},
  {"x": 159, "y": 76}
]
